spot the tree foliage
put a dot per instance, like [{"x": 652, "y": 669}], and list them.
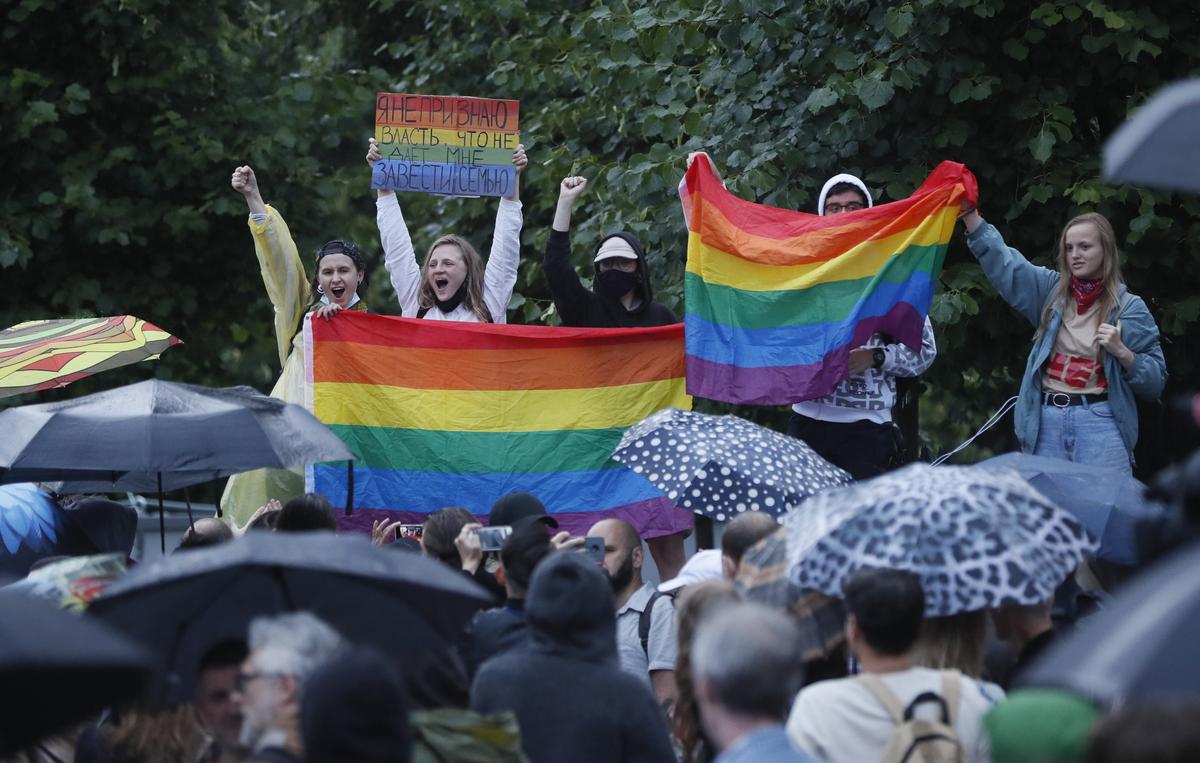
[{"x": 122, "y": 129}]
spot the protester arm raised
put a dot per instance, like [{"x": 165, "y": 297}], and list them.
[
  {"x": 500, "y": 273},
  {"x": 520, "y": 161},
  {"x": 1023, "y": 285},
  {"x": 278, "y": 261},
  {"x": 399, "y": 257},
  {"x": 569, "y": 295}
]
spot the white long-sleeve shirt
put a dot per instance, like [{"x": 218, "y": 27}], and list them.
[
  {"x": 499, "y": 276},
  {"x": 870, "y": 395}
]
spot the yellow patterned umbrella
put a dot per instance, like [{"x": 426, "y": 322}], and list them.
[{"x": 39, "y": 355}]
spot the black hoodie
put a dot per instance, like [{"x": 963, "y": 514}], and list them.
[
  {"x": 578, "y": 306},
  {"x": 572, "y": 700}
]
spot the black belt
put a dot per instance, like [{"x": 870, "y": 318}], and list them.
[{"x": 1064, "y": 400}]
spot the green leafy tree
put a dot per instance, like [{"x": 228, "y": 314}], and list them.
[
  {"x": 785, "y": 94},
  {"x": 122, "y": 141}
]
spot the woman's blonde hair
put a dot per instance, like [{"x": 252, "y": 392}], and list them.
[
  {"x": 473, "y": 299},
  {"x": 1110, "y": 273},
  {"x": 953, "y": 642},
  {"x": 158, "y": 736}
]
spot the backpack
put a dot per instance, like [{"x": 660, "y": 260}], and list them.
[
  {"x": 917, "y": 740},
  {"x": 645, "y": 620}
]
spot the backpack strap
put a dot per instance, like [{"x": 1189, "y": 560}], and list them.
[
  {"x": 645, "y": 620},
  {"x": 889, "y": 700},
  {"x": 952, "y": 693}
]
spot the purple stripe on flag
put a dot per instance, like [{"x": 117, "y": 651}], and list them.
[{"x": 784, "y": 385}]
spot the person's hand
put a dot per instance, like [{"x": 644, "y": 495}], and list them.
[
  {"x": 969, "y": 215},
  {"x": 520, "y": 160},
  {"x": 384, "y": 532},
  {"x": 861, "y": 359},
  {"x": 562, "y": 541},
  {"x": 468, "y": 547},
  {"x": 692, "y": 157},
  {"x": 373, "y": 154},
  {"x": 266, "y": 508},
  {"x": 328, "y": 311},
  {"x": 571, "y": 188},
  {"x": 244, "y": 182},
  {"x": 1108, "y": 336}
]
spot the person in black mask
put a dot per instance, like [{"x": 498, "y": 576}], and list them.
[{"x": 622, "y": 297}]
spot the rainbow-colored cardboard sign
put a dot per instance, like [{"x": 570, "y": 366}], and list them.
[{"x": 446, "y": 144}]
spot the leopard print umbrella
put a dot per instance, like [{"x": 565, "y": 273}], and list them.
[{"x": 977, "y": 538}]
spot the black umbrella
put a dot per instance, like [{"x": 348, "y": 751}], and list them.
[
  {"x": 181, "y": 605},
  {"x": 157, "y": 435},
  {"x": 123, "y": 438},
  {"x": 1157, "y": 147},
  {"x": 1142, "y": 644},
  {"x": 57, "y": 668},
  {"x": 1109, "y": 503}
]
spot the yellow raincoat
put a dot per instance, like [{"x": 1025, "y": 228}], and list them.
[{"x": 290, "y": 293}]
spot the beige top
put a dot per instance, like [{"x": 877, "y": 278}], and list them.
[{"x": 1077, "y": 365}]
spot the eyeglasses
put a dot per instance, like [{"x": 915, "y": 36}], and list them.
[
  {"x": 242, "y": 679},
  {"x": 837, "y": 209},
  {"x": 617, "y": 263}
]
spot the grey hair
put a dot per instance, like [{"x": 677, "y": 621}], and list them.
[
  {"x": 293, "y": 644},
  {"x": 751, "y": 657}
]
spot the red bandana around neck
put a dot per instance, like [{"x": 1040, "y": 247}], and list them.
[{"x": 1086, "y": 291}]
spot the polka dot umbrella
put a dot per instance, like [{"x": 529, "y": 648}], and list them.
[{"x": 720, "y": 466}]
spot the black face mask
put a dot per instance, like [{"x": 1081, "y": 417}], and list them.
[{"x": 615, "y": 284}]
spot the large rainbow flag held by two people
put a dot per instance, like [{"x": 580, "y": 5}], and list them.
[
  {"x": 460, "y": 414},
  {"x": 776, "y": 299}
]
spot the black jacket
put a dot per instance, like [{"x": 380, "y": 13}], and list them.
[
  {"x": 578, "y": 306},
  {"x": 494, "y": 632},
  {"x": 572, "y": 700}
]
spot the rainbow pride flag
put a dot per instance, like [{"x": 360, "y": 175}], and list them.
[
  {"x": 460, "y": 414},
  {"x": 776, "y": 299}
]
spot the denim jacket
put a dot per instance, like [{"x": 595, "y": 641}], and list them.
[{"x": 1028, "y": 289}]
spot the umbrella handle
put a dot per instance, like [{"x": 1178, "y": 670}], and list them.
[
  {"x": 162, "y": 521},
  {"x": 188, "y": 500},
  {"x": 349, "y": 488}
]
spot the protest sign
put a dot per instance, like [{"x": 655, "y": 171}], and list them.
[{"x": 445, "y": 144}]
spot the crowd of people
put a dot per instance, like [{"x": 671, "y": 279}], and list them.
[{"x": 579, "y": 657}]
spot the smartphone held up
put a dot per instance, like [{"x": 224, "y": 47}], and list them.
[{"x": 492, "y": 538}]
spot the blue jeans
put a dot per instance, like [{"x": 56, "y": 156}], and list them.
[{"x": 1085, "y": 434}]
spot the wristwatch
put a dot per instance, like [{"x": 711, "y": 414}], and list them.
[{"x": 878, "y": 355}]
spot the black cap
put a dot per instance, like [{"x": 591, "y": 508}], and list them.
[{"x": 518, "y": 510}]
